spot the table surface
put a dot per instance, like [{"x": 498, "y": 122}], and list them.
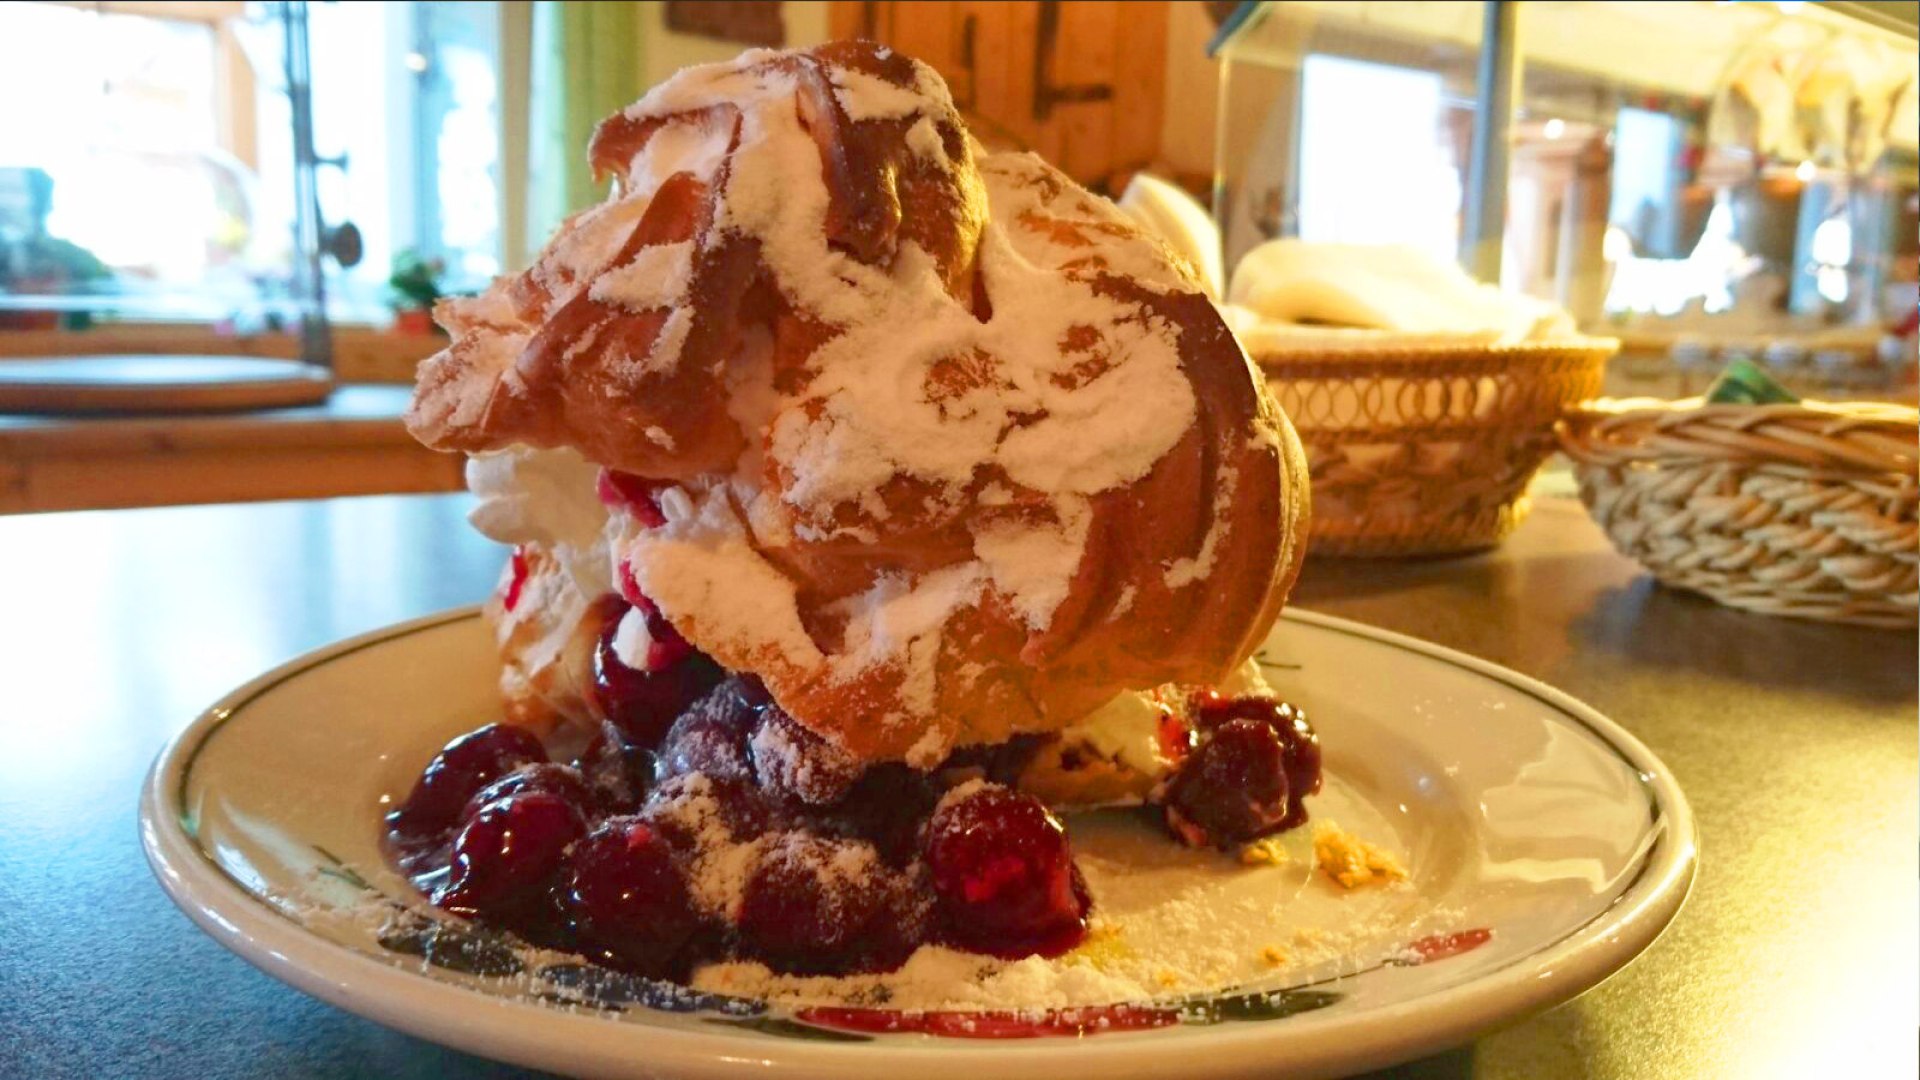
[{"x": 1795, "y": 956}]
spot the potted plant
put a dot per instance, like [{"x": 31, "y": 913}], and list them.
[{"x": 413, "y": 288}]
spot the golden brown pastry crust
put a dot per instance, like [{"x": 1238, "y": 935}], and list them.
[{"x": 1183, "y": 569}]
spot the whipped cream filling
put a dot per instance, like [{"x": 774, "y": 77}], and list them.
[
  {"x": 1126, "y": 730},
  {"x": 544, "y": 497},
  {"x": 632, "y": 641}
]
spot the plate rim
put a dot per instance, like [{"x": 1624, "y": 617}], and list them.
[{"x": 543, "y": 1037}]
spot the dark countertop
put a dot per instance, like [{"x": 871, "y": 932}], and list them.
[{"x": 1796, "y": 743}]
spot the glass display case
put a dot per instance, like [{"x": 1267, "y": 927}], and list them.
[
  {"x": 1702, "y": 180},
  {"x": 193, "y": 162},
  {"x": 111, "y": 115}
]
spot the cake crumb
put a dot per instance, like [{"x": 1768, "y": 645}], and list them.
[
  {"x": 1274, "y": 955},
  {"x": 1267, "y": 852},
  {"x": 1351, "y": 861},
  {"x": 1167, "y": 979},
  {"x": 1103, "y": 949}
]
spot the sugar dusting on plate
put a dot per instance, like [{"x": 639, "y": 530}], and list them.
[{"x": 1169, "y": 923}]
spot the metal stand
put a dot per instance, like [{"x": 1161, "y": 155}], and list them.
[
  {"x": 1499, "y": 78},
  {"x": 309, "y": 279}
]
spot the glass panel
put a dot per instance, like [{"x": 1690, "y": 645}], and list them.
[
  {"x": 1347, "y": 121},
  {"x": 125, "y": 118},
  {"x": 154, "y": 177},
  {"x": 1400, "y": 185},
  {"x": 405, "y": 102},
  {"x": 1712, "y": 180},
  {"x": 459, "y": 120}
]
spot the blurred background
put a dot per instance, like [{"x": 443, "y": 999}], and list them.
[{"x": 300, "y": 181}]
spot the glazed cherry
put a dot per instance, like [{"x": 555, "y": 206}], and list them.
[
  {"x": 1298, "y": 741},
  {"x": 793, "y": 762},
  {"x": 463, "y": 767},
  {"x": 887, "y": 807},
  {"x": 903, "y": 923},
  {"x": 1004, "y": 875},
  {"x": 617, "y": 773},
  {"x": 1232, "y": 789},
  {"x": 517, "y": 570},
  {"x": 645, "y": 702},
  {"x": 712, "y": 736},
  {"x": 505, "y": 858},
  {"x": 628, "y": 901},
  {"x": 809, "y": 903},
  {"x": 637, "y": 495},
  {"x": 675, "y": 809},
  {"x": 1210, "y": 709},
  {"x": 544, "y": 776}
]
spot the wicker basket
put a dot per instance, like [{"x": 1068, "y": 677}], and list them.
[
  {"x": 1427, "y": 450},
  {"x": 1805, "y": 510}
]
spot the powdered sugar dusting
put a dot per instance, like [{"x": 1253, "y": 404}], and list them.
[
  {"x": 871, "y": 416},
  {"x": 665, "y": 352},
  {"x": 1168, "y": 922},
  {"x": 1188, "y": 570},
  {"x": 838, "y": 868},
  {"x": 695, "y": 147},
  {"x": 794, "y": 762},
  {"x": 591, "y": 241},
  {"x": 867, "y": 97},
  {"x": 923, "y": 138},
  {"x": 720, "y": 862},
  {"x": 1031, "y": 565},
  {"x": 900, "y": 620},
  {"x": 701, "y": 568},
  {"x": 655, "y": 278}
]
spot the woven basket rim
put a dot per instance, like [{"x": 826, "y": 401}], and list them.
[
  {"x": 1861, "y": 438},
  {"x": 1319, "y": 353},
  {"x": 1657, "y": 409}
]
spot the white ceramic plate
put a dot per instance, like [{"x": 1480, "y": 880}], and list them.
[{"x": 1547, "y": 847}]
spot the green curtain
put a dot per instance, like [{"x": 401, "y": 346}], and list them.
[{"x": 585, "y": 65}]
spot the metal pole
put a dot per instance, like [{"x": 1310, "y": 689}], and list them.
[
  {"x": 1499, "y": 79},
  {"x": 316, "y": 339}
]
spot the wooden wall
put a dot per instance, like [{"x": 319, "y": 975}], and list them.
[{"x": 1080, "y": 83}]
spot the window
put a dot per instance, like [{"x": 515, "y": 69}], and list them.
[
  {"x": 155, "y": 176},
  {"x": 125, "y": 118},
  {"x": 1373, "y": 165},
  {"x": 457, "y": 105}
]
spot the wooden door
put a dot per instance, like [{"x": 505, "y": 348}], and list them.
[{"x": 1079, "y": 82}]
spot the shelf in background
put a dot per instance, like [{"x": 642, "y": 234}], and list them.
[{"x": 352, "y": 444}]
